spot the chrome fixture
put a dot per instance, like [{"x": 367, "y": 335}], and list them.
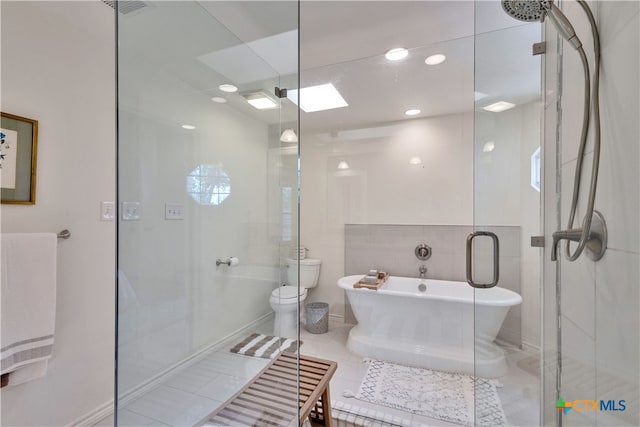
[
  {"x": 496, "y": 259},
  {"x": 537, "y": 10},
  {"x": 64, "y": 234},
  {"x": 423, "y": 252},
  {"x": 231, "y": 262},
  {"x": 423, "y": 271},
  {"x": 596, "y": 241}
]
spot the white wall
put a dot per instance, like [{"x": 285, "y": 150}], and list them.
[
  {"x": 449, "y": 188},
  {"x": 58, "y": 68},
  {"x": 599, "y": 300},
  {"x": 381, "y": 187}
]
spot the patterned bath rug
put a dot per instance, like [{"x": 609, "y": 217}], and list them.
[
  {"x": 441, "y": 395},
  {"x": 264, "y": 346}
]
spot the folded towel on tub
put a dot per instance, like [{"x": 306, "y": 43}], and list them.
[{"x": 28, "y": 301}]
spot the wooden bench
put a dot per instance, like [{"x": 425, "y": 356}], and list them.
[{"x": 268, "y": 400}]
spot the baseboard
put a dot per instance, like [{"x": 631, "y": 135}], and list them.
[
  {"x": 530, "y": 347},
  {"x": 106, "y": 409},
  {"x": 94, "y": 416}
]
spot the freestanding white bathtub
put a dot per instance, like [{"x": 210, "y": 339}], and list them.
[{"x": 433, "y": 328}]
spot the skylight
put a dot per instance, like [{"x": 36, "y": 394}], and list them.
[{"x": 317, "y": 98}]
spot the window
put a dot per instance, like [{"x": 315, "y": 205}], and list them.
[{"x": 209, "y": 185}]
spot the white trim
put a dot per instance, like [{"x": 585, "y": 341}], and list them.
[
  {"x": 530, "y": 347},
  {"x": 93, "y": 417},
  {"x": 106, "y": 409}
]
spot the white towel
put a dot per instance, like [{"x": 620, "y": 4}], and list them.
[{"x": 28, "y": 301}]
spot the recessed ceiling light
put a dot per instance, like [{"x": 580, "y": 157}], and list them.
[
  {"x": 412, "y": 112},
  {"x": 228, "y": 88},
  {"x": 219, "y": 99},
  {"x": 260, "y": 100},
  {"x": 488, "y": 147},
  {"x": 498, "y": 107},
  {"x": 317, "y": 98},
  {"x": 435, "y": 59},
  {"x": 188, "y": 127},
  {"x": 396, "y": 54},
  {"x": 415, "y": 161}
]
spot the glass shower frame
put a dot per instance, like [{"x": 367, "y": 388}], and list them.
[{"x": 202, "y": 176}]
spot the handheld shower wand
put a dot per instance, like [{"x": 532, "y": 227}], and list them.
[{"x": 593, "y": 233}]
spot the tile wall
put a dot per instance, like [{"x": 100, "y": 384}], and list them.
[{"x": 599, "y": 342}]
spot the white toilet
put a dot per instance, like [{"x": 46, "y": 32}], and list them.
[{"x": 284, "y": 299}]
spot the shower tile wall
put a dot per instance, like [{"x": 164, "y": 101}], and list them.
[
  {"x": 391, "y": 248},
  {"x": 598, "y": 309}
]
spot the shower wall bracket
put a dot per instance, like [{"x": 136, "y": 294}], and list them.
[
  {"x": 539, "y": 48},
  {"x": 596, "y": 244}
]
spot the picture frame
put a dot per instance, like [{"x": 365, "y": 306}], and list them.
[{"x": 18, "y": 154}]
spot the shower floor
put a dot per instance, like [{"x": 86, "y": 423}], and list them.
[{"x": 194, "y": 390}]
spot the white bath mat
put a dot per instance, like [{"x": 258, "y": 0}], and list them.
[
  {"x": 264, "y": 346},
  {"x": 441, "y": 395}
]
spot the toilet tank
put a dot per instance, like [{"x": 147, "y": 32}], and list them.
[{"x": 309, "y": 272}]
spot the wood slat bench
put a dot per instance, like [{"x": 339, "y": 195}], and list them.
[{"x": 268, "y": 399}]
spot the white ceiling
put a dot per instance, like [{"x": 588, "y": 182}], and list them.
[{"x": 343, "y": 42}]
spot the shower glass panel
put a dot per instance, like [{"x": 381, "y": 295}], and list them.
[
  {"x": 207, "y": 201},
  {"x": 591, "y": 317},
  {"x": 506, "y": 207}
]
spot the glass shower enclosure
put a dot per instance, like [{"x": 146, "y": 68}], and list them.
[{"x": 207, "y": 197}]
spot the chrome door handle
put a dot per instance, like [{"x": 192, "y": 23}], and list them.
[{"x": 496, "y": 259}]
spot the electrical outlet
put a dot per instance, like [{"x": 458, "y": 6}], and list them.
[
  {"x": 173, "y": 211},
  {"x": 107, "y": 211},
  {"x": 131, "y": 211}
]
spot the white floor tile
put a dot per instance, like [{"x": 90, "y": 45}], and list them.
[
  {"x": 222, "y": 387},
  {"x": 173, "y": 407}
]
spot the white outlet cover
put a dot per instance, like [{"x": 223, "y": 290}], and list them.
[
  {"x": 107, "y": 211},
  {"x": 173, "y": 211},
  {"x": 131, "y": 211}
]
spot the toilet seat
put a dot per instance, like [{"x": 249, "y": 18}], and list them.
[{"x": 287, "y": 294}]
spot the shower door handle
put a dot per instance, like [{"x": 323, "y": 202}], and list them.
[{"x": 496, "y": 259}]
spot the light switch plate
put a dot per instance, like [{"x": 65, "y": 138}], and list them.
[
  {"x": 107, "y": 211},
  {"x": 173, "y": 211},
  {"x": 131, "y": 211}
]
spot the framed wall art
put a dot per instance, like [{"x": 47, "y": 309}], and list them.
[{"x": 18, "y": 149}]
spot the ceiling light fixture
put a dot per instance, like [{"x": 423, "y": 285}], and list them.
[
  {"x": 219, "y": 99},
  {"x": 228, "y": 88},
  {"x": 412, "y": 112},
  {"x": 288, "y": 135},
  {"x": 435, "y": 59},
  {"x": 415, "y": 161},
  {"x": 343, "y": 165},
  {"x": 188, "y": 127},
  {"x": 260, "y": 100},
  {"x": 317, "y": 98},
  {"x": 396, "y": 54},
  {"x": 498, "y": 107}
]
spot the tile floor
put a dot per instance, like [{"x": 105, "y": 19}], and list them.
[{"x": 191, "y": 392}]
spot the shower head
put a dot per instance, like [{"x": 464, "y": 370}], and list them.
[
  {"x": 524, "y": 10},
  {"x": 537, "y": 10}
]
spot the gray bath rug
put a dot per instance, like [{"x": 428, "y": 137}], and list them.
[
  {"x": 264, "y": 346},
  {"x": 441, "y": 395}
]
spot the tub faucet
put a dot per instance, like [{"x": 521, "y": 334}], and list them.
[{"x": 423, "y": 271}]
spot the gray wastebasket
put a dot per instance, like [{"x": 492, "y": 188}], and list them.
[{"x": 317, "y": 317}]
